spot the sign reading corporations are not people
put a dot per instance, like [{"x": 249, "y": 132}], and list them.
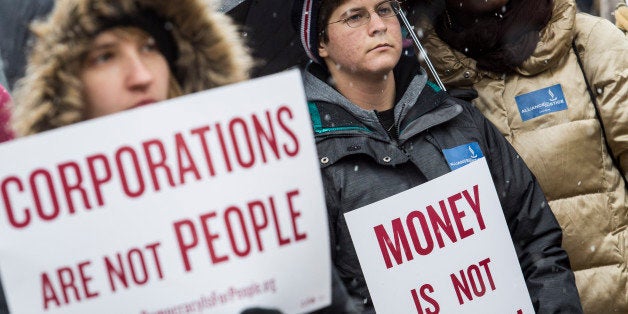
[{"x": 207, "y": 202}]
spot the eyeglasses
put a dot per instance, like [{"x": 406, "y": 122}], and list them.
[{"x": 362, "y": 16}]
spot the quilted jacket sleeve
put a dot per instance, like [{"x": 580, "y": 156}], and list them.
[
  {"x": 536, "y": 234},
  {"x": 603, "y": 49}
]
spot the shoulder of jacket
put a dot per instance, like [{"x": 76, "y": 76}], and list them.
[{"x": 588, "y": 27}]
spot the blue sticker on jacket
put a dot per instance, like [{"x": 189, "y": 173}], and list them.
[
  {"x": 462, "y": 155},
  {"x": 540, "y": 102}
]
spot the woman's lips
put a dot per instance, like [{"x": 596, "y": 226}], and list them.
[
  {"x": 381, "y": 46},
  {"x": 144, "y": 103}
]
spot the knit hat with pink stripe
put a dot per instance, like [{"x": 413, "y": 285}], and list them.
[{"x": 304, "y": 18}]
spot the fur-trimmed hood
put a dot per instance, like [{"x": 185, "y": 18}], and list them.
[{"x": 211, "y": 54}]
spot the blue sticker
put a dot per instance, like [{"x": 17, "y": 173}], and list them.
[
  {"x": 462, "y": 155},
  {"x": 540, "y": 102}
]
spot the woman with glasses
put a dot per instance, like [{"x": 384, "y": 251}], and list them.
[{"x": 381, "y": 128}]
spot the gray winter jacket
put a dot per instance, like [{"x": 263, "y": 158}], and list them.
[{"x": 361, "y": 164}]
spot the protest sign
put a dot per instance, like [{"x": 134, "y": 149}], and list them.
[
  {"x": 441, "y": 247},
  {"x": 210, "y": 202}
]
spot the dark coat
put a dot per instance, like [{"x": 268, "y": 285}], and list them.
[
  {"x": 429, "y": 121},
  {"x": 269, "y": 34},
  {"x": 3, "y": 78},
  {"x": 15, "y": 16}
]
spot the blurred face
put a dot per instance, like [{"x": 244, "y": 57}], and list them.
[
  {"x": 123, "y": 69},
  {"x": 366, "y": 50}
]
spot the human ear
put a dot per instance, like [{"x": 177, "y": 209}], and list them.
[{"x": 322, "y": 50}]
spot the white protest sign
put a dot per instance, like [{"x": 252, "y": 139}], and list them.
[
  {"x": 210, "y": 202},
  {"x": 443, "y": 246}
]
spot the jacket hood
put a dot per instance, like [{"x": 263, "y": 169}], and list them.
[
  {"x": 457, "y": 69},
  {"x": 210, "y": 54}
]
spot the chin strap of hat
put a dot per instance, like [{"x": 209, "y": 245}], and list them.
[{"x": 418, "y": 45}]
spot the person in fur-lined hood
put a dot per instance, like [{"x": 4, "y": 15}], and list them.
[
  {"x": 88, "y": 54},
  {"x": 201, "y": 46},
  {"x": 555, "y": 83}
]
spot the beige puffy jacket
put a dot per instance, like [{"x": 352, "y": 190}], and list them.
[{"x": 566, "y": 148}]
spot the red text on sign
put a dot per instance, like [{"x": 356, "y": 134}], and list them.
[
  {"x": 133, "y": 267},
  {"x": 423, "y": 227},
  {"x": 470, "y": 283},
  {"x": 423, "y": 297},
  {"x": 152, "y": 165},
  {"x": 66, "y": 284},
  {"x": 244, "y": 229}
]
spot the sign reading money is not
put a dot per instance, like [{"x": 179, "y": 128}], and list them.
[{"x": 443, "y": 246}]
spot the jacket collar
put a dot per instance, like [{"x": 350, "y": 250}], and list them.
[{"x": 331, "y": 113}]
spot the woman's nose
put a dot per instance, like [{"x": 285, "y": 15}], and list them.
[
  {"x": 376, "y": 24},
  {"x": 139, "y": 74}
]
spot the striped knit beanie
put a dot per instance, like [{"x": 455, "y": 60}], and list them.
[{"x": 304, "y": 18}]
